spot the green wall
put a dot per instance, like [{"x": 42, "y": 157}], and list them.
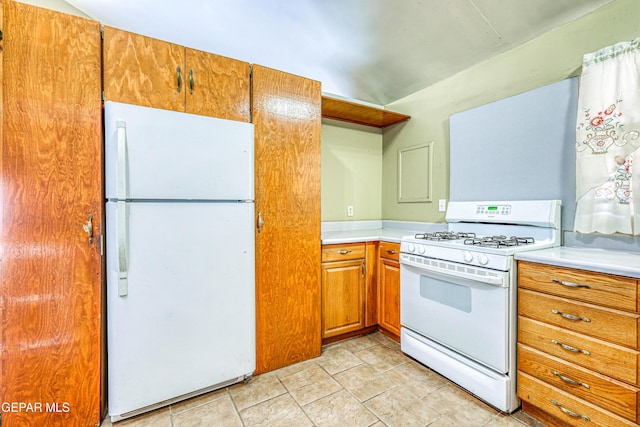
[
  {"x": 351, "y": 172},
  {"x": 551, "y": 57}
]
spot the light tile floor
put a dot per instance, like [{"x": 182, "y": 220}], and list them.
[{"x": 364, "y": 381}]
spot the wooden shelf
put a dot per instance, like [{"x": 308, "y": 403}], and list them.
[{"x": 346, "y": 111}]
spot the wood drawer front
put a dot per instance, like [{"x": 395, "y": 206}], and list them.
[
  {"x": 615, "y": 326},
  {"x": 390, "y": 250},
  {"x": 610, "y": 359},
  {"x": 615, "y": 396},
  {"x": 543, "y": 396},
  {"x": 343, "y": 252},
  {"x": 604, "y": 289}
]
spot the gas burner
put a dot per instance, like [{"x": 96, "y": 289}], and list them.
[
  {"x": 445, "y": 235},
  {"x": 499, "y": 241}
]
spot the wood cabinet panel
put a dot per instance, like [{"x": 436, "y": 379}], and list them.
[
  {"x": 389, "y": 296},
  {"x": 217, "y": 86},
  {"x": 143, "y": 71},
  {"x": 343, "y": 297},
  {"x": 603, "y": 289},
  {"x": 390, "y": 250},
  {"x": 618, "y": 362},
  {"x": 566, "y": 408},
  {"x": 618, "y": 397},
  {"x": 51, "y": 182},
  {"x": 615, "y": 326},
  {"x": 153, "y": 73},
  {"x": 343, "y": 252},
  {"x": 286, "y": 116}
]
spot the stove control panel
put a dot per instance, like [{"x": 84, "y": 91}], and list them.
[{"x": 493, "y": 210}]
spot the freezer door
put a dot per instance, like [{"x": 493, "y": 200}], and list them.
[
  {"x": 153, "y": 154},
  {"x": 187, "y": 321}
]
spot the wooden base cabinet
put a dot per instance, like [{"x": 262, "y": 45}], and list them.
[
  {"x": 51, "y": 204},
  {"x": 578, "y": 353},
  {"x": 343, "y": 289},
  {"x": 389, "y": 289}
]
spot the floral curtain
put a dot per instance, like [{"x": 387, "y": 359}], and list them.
[{"x": 607, "y": 140}]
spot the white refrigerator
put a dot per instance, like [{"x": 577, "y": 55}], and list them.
[{"x": 180, "y": 256}]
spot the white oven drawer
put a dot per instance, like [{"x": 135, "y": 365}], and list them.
[{"x": 465, "y": 315}]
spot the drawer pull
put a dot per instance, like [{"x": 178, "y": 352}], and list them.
[
  {"x": 571, "y": 316},
  {"x": 570, "y": 413},
  {"x": 569, "y": 348},
  {"x": 344, "y": 251},
  {"x": 571, "y": 284},
  {"x": 568, "y": 380},
  {"x": 391, "y": 251}
]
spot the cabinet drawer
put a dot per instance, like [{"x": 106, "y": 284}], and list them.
[
  {"x": 343, "y": 252},
  {"x": 615, "y": 396},
  {"x": 566, "y": 407},
  {"x": 615, "y": 326},
  {"x": 613, "y": 360},
  {"x": 390, "y": 250},
  {"x": 598, "y": 288}
]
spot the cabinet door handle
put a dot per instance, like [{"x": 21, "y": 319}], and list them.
[
  {"x": 571, "y": 284},
  {"x": 260, "y": 222},
  {"x": 569, "y": 412},
  {"x": 568, "y": 380},
  {"x": 570, "y": 348},
  {"x": 571, "y": 316},
  {"x": 364, "y": 269},
  {"x": 391, "y": 251},
  {"x": 344, "y": 251},
  {"x": 88, "y": 228},
  {"x": 179, "y": 88},
  {"x": 191, "y": 82}
]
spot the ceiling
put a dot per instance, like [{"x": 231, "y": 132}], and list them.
[{"x": 376, "y": 51}]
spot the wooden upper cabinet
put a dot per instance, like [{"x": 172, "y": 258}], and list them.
[
  {"x": 144, "y": 71},
  {"x": 217, "y": 86}
]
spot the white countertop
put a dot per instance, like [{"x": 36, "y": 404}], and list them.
[
  {"x": 599, "y": 260},
  {"x": 367, "y": 231}
]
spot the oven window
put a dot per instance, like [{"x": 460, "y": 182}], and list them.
[{"x": 447, "y": 293}]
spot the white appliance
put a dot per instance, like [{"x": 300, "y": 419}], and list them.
[
  {"x": 458, "y": 292},
  {"x": 180, "y": 256}
]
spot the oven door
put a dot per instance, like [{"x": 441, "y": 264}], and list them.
[{"x": 451, "y": 304}]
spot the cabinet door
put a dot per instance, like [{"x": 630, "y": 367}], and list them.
[
  {"x": 51, "y": 183},
  {"x": 217, "y": 86},
  {"x": 287, "y": 123},
  {"x": 389, "y": 296},
  {"x": 143, "y": 71},
  {"x": 343, "y": 296}
]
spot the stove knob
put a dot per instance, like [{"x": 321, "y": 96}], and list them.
[
  {"x": 468, "y": 256},
  {"x": 482, "y": 259},
  {"x": 421, "y": 250},
  {"x": 412, "y": 247}
]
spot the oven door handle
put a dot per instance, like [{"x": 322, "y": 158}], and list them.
[{"x": 446, "y": 269}]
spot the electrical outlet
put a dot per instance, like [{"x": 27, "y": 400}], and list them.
[
  {"x": 349, "y": 210},
  {"x": 442, "y": 205}
]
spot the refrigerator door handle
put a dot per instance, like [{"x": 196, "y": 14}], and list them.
[
  {"x": 123, "y": 250},
  {"x": 122, "y": 160}
]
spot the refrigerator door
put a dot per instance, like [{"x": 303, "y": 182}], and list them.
[
  {"x": 188, "y": 319},
  {"x": 153, "y": 154}
]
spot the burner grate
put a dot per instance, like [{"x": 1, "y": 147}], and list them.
[
  {"x": 499, "y": 241},
  {"x": 445, "y": 235}
]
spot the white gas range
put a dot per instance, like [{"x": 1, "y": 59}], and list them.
[{"x": 458, "y": 292}]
